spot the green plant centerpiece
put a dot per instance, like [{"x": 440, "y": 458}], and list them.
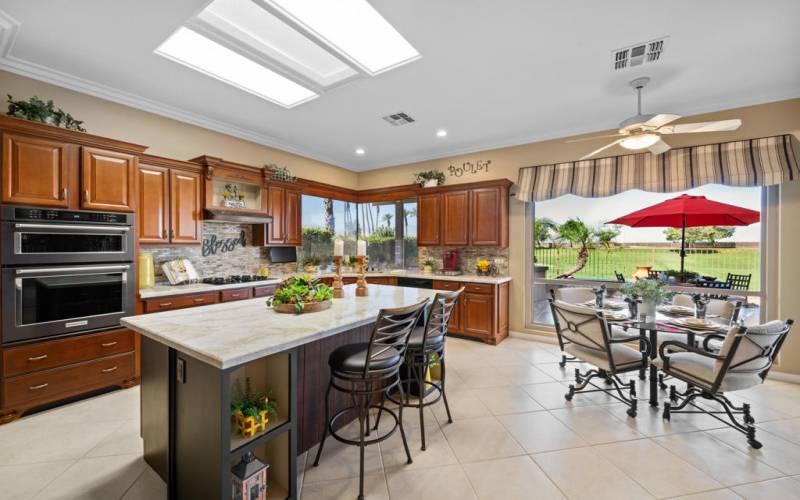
[
  {"x": 310, "y": 264},
  {"x": 427, "y": 178},
  {"x": 651, "y": 292},
  {"x": 299, "y": 294},
  {"x": 37, "y": 110},
  {"x": 251, "y": 412}
]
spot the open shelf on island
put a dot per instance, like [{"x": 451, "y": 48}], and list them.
[{"x": 269, "y": 375}]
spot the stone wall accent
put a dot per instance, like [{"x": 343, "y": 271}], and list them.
[
  {"x": 242, "y": 260},
  {"x": 468, "y": 257}
]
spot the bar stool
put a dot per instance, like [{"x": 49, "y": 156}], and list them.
[
  {"x": 428, "y": 339},
  {"x": 365, "y": 370}
]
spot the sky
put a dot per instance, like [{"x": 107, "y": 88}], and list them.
[{"x": 596, "y": 211}]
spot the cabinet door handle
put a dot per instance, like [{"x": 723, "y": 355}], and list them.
[
  {"x": 85, "y": 195},
  {"x": 109, "y": 370},
  {"x": 37, "y": 387},
  {"x": 234, "y": 295},
  {"x": 64, "y": 193},
  {"x": 38, "y": 358},
  {"x": 165, "y": 304},
  {"x": 109, "y": 344},
  {"x": 164, "y": 234},
  {"x": 199, "y": 300},
  {"x": 172, "y": 234}
]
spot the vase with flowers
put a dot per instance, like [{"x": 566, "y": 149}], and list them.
[{"x": 650, "y": 292}]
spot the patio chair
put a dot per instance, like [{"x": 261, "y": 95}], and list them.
[
  {"x": 746, "y": 356},
  {"x": 739, "y": 281},
  {"x": 653, "y": 274},
  {"x": 620, "y": 276},
  {"x": 588, "y": 339},
  {"x": 683, "y": 300},
  {"x": 572, "y": 295},
  {"x": 720, "y": 285},
  {"x": 725, "y": 309}
]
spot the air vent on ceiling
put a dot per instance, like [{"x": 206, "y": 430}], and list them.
[
  {"x": 398, "y": 119},
  {"x": 639, "y": 54}
]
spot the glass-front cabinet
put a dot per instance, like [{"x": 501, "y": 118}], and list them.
[{"x": 234, "y": 194}]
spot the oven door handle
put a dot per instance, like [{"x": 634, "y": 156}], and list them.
[
  {"x": 76, "y": 227},
  {"x": 69, "y": 269}
]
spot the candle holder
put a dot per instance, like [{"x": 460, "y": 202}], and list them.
[
  {"x": 338, "y": 293},
  {"x": 361, "y": 282}
]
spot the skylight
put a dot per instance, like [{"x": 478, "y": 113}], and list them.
[
  {"x": 256, "y": 27},
  {"x": 201, "y": 54},
  {"x": 353, "y": 28}
]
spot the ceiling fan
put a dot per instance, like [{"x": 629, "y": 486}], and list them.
[{"x": 645, "y": 131}]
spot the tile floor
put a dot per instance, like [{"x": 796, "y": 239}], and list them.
[{"x": 513, "y": 437}]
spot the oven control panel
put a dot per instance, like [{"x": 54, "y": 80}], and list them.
[{"x": 44, "y": 214}]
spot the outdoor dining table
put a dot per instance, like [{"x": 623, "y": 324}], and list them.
[{"x": 650, "y": 331}]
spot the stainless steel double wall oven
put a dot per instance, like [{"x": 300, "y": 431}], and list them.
[{"x": 64, "y": 272}]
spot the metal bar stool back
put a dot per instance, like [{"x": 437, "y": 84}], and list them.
[{"x": 365, "y": 371}]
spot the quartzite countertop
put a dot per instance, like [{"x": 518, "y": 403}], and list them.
[
  {"x": 232, "y": 333},
  {"x": 170, "y": 290}
]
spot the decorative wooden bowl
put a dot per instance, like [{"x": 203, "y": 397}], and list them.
[{"x": 309, "y": 307}]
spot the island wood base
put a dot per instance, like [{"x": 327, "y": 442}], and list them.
[{"x": 186, "y": 422}]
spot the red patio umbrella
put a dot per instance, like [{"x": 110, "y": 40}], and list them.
[{"x": 689, "y": 211}]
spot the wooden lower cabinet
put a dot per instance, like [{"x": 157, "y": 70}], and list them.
[
  {"x": 236, "y": 294},
  {"x": 45, "y": 372},
  {"x": 482, "y": 310}
]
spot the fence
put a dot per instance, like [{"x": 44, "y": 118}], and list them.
[{"x": 602, "y": 263}]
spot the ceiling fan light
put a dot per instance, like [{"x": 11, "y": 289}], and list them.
[{"x": 640, "y": 141}]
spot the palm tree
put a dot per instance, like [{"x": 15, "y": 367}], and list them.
[
  {"x": 330, "y": 223},
  {"x": 579, "y": 235},
  {"x": 408, "y": 212},
  {"x": 388, "y": 219}
]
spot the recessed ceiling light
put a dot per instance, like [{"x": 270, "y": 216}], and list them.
[
  {"x": 206, "y": 56},
  {"x": 441, "y": 133},
  {"x": 353, "y": 28},
  {"x": 360, "y": 151}
]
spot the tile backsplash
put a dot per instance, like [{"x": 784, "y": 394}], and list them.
[
  {"x": 468, "y": 257},
  {"x": 241, "y": 260}
]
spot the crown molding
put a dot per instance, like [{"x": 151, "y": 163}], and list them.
[{"x": 9, "y": 27}]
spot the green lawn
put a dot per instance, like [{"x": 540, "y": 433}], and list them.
[{"x": 602, "y": 263}]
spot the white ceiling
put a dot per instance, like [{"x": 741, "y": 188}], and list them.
[{"x": 491, "y": 73}]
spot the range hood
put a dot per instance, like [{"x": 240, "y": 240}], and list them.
[{"x": 223, "y": 215}]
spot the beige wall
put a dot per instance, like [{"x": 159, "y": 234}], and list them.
[
  {"x": 167, "y": 137},
  {"x": 758, "y": 121}
]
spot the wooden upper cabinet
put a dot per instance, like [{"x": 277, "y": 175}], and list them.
[
  {"x": 276, "y": 204},
  {"x": 429, "y": 216},
  {"x": 489, "y": 217},
  {"x": 185, "y": 207},
  {"x": 455, "y": 218},
  {"x": 37, "y": 171},
  {"x": 153, "y": 212},
  {"x": 293, "y": 223},
  {"x": 108, "y": 180}
]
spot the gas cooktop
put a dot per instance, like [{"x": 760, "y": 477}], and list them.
[{"x": 234, "y": 278}]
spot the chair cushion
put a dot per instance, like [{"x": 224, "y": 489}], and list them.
[
  {"x": 624, "y": 357},
  {"x": 353, "y": 358},
  {"x": 697, "y": 368},
  {"x": 415, "y": 341}
]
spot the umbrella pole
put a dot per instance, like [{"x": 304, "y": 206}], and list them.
[{"x": 683, "y": 243}]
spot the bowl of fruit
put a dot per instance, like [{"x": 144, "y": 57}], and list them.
[{"x": 301, "y": 294}]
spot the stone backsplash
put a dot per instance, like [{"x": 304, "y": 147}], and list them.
[
  {"x": 468, "y": 257},
  {"x": 241, "y": 260}
]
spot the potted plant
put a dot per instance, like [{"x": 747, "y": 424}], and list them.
[
  {"x": 310, "y": 264},
  {"x": 651, "y": 292},
  {"x": 251, "y": 412},
  {"x": 429, "y": 178},
  {"x": 427, "y": 266},
  {"x": 37, "y": 110},
  {"x": 299, "y": 294}
]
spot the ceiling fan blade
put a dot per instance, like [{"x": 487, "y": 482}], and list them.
[
  {"x": 659, "y": 147},
  {"x": 586, "y": 157},
  {"x": 661, "y": 120},
  {"x": 584, "y": 139},
  {"x": 693, "y": 128}
]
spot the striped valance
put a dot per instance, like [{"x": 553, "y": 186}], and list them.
[{"x": 754, "y": 162}]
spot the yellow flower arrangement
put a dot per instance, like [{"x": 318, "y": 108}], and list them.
[{"x": 483, "y": 265}]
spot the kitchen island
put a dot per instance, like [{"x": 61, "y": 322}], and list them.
[{"x": 195, "y": 360}]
